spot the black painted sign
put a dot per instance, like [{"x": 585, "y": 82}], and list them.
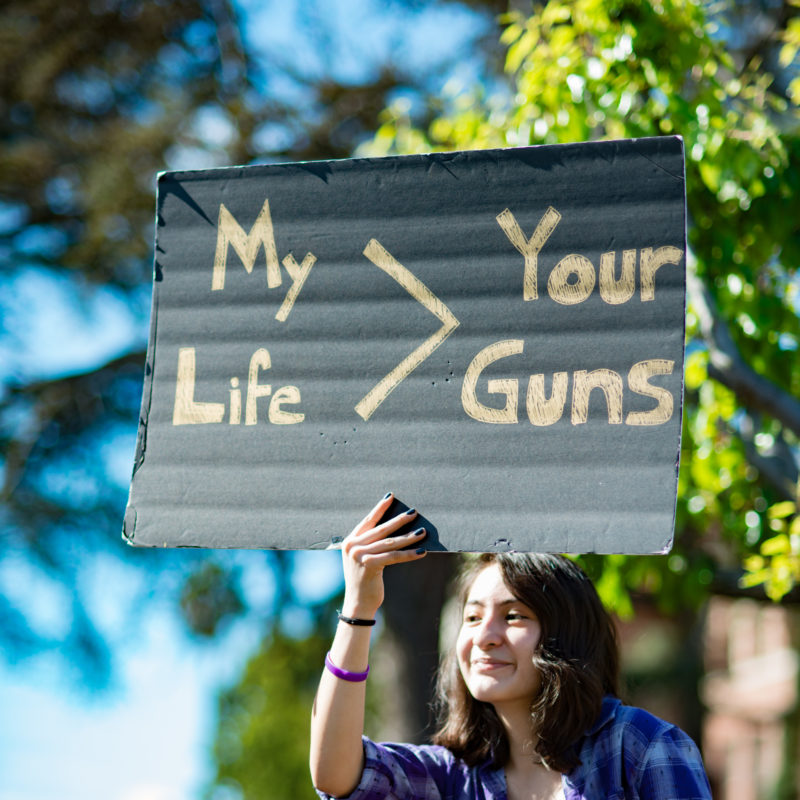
[{"x": 495, "y": 336}]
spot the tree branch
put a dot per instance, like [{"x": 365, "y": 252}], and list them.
[
  {"x": 726, "y": 365},
  {"x": 776, "y": 464}
]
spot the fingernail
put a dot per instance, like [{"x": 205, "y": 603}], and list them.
[
  {"x": 387, "y": 495},
  {"x": 418, "y": 531},
  {"x": 411, "y": 511},
  {"x": 419, "y": 551}
]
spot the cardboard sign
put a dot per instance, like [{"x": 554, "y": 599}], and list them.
[{"x": 495, "y": 336}]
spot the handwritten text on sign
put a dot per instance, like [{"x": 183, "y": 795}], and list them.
[
  {"x": 571, "y": 282},
  {"x": 495, "y": 336}
]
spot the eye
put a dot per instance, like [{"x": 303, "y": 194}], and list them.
[{"x": 472, "y": 614}]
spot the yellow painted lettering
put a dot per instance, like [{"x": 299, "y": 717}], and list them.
[
  {"x": 582, "y": 384},
  {"x": 384, "y": 260},
  {"x": 187, "y": 410},
  {"x": 559, "y": 287},
  {"x": 260, "y": 360},
  {"x": 236, "y": 402},
  {"x": 638, "y": 382},
  {"x": 650, "y": 262},
  {"x": 546, "y": 410},
  {"x": 246, "y": 245},
  {"x": 529, "y": 248},
  {"x": 614, "y": 291},
  {"x": 286, "y": 394},
  {"x": 507, "y": 386},
  {"x": 298, "y": 273}
]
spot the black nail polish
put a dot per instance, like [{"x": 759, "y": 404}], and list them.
[
  {"x": 387, "y": 496},
  {"x": 411, "y": 511},
  {"x": 418, "y": 531},
  {"x": 419, "y": 551}
]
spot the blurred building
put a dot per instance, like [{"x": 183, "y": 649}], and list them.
[
  {"x": 730, "y": 679},
  {"x": 750, "y": 691}
]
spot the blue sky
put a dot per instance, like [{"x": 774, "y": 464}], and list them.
[
  {"x": 148, "y": 736},
  {"x": 144, "y": 741}
]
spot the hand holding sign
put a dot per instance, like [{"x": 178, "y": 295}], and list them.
[{"x": 371, "y": 546}]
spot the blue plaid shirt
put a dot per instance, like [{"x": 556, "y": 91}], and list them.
[{"x": 628, "y": 754}]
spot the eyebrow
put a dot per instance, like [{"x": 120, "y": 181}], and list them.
[{"x": 482, "y": 604}]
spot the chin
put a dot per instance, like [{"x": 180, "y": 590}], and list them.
[
  {"x": 488, "y": 693},
  {"x": 488, "y": 690}
]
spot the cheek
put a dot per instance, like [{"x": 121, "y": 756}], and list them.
[
  {"x": 463, "y": 649},
  {"x": 526, "y": 645}
]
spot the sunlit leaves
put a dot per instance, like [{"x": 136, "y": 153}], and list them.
[
  {"x": 777, "y": 565},
  {"x": 790, "y": 49},
  {"x": 587, "y": 69}
]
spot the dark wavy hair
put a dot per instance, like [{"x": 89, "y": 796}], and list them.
[{"x": 577, "y": 658}]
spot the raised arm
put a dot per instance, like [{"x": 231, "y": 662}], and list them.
[{"x": 337, "y": 719}]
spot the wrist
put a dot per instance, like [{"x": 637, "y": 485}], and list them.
[
  {"x": 356, "y": 622},
  {"x": 358, "y": 610}
]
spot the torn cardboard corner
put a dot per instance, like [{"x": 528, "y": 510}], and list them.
[{"x": 495, "y": 336}]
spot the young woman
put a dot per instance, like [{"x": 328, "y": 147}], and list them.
[{"x": 528, "y": 694}]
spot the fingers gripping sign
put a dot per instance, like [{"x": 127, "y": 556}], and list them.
[
  {"x": 337, "y": 723},
  {"x": 368, "y": 549}
]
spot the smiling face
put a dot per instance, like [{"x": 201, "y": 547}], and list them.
[{"x": 496, "y": 643}]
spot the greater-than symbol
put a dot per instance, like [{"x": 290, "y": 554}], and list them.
[{"x": 381, "y": 258}]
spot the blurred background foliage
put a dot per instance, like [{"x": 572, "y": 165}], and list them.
[
  {"x": 97, "y": 98},
  {"x": 588, "y": 69},
  {"x": 260, "y": 753}
]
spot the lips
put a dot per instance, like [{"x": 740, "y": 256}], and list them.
[{"x": 489, "y": 664}]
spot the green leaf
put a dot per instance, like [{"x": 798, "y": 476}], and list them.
[
  {"x": 777, "y": 545},
  {"x": 782, "y": 510}
]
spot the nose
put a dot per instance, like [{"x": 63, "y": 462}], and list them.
[{"x": 488, "y": 633}]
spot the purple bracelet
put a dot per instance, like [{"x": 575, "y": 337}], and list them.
[{"x": 344, "y": 674}]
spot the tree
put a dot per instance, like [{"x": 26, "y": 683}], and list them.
[
  {"x": 120, "y": 90},
  {"x": 262, "y": 740},
  {"x": 92, "y": 101},
  {"x": 584, "y": 69}
]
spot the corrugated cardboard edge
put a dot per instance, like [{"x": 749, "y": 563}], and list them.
[
  {"x": 668, "y": 544},
  {"x": 129, "y": 521},
  {"x": 441, "y": 157}
]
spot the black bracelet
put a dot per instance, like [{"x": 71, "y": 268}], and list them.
[{"x": 355, "y": 620}]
